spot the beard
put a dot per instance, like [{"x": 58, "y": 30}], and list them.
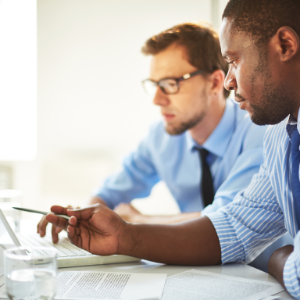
[
  {"x": 275, "y": 102},
  {"x": 184, "y": 126},
  {"x": 274, "y": 108},
  {"x": 275, "y": 105}
]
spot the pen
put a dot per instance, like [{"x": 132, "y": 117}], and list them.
[{"x": 40, "y": 212}]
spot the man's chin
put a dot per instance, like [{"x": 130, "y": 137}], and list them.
[{"x": 172, "y": 130}]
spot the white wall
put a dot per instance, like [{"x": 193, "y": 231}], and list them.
[
  {"x": 91, "y": 106},
  {"x": 90, "y": 68},
  {"x": 18, "y": 76}
]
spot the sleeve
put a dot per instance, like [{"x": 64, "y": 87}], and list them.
[
  {"x": 251, "y": 222},
  {"x": 291, "y": 271},
  {"x": 135, "y": 180},
  {"x": 246, "y": 165}
]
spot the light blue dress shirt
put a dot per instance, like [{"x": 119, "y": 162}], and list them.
[
  {"x": 265, "y": 210},
  {"x": 235, "y": 148}
]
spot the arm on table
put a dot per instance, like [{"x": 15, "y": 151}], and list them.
[
  {"x": 101, "y": 231},
  {"x": 130, "y": 214}
]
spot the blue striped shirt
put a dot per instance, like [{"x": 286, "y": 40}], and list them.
[{"x": 264, "y": 211}]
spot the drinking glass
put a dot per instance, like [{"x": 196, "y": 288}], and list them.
[{"x": 30, "y": 273}]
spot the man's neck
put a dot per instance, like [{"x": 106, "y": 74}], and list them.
[
  {"x": 201, "y": 132},
  {"x": 295, "y": 114}
]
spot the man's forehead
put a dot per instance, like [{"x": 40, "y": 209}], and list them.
[
  {"x": 232, "y": 40},
  {"x": 225, "y": 36},
  {"x": 171, "y": 62}
]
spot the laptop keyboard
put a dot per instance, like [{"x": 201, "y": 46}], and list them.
[{"x": 64, "y": 247}]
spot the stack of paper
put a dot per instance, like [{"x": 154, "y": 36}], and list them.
[
  {"x": 109, "y": 285},
  {"x": 201, "y": 285}
]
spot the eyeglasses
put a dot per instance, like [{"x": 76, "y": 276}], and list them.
[{"x": 167, "y": 85}]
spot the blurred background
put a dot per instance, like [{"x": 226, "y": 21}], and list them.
[{"x": 71, "y": 99}]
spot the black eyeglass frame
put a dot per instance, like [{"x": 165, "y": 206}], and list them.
[{"x": 177, "y": 80}]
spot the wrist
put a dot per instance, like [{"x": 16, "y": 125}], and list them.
[{"x": 126, "y": 239}]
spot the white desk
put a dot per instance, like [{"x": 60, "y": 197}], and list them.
[{"x": 144, "y": 266}]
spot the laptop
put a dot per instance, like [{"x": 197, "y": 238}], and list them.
[{"x": 68, "y": 255}]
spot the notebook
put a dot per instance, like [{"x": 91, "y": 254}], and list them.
[{"x": 68, "y": 255}]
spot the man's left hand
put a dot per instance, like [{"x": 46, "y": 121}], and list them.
[
  {"x": 277, "y": 262},
  {"x": 128, "y": 213}
]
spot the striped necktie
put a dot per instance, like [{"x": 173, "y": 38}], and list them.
[{"x": 295, "y": 172}]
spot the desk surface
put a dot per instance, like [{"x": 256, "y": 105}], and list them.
[{"x": 145, "y": 266}]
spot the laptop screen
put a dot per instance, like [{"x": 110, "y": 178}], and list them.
[{"x": 7, "y": 236}]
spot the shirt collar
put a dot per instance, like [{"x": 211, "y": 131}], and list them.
[
  {"x": 218, "y": 140},
  {"x": 292, "y": 122}
]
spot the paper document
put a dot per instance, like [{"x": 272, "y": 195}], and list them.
[
  {"x": 109, "y": 285},
  {"x": 202, "y": 285}
]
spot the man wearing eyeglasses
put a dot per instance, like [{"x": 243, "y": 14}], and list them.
[{"x": 206, "y": 149}]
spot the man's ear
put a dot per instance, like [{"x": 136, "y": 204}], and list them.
[
  {"x": 217, "y": 79},
  {"x": 287, "y": 41}
]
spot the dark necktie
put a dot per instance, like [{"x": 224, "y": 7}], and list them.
[
  {"x": 295, "y": 173},
  {"x": 206, "y": 186}
]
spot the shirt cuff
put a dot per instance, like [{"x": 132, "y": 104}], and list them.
[{"x": 231, "y": 249}]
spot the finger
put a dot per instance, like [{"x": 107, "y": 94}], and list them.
[
  {"x": 54, "y": 234},
  {"x": 41, "y": 227},
  {"x": 73, "y": 221},
  {"x": 83, "y": 213},
  {"x": 85, "y": 208},
  {"x": 58, "y": 230},
  {"x": 74, "y": 236},
  {"x": 59, "y": 209},
  {"x": 57, "y": 221}
]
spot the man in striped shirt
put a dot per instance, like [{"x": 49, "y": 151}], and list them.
[{"x": 260, "y": 40}]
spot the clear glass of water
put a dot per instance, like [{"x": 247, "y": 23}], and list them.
[{"x": 30, "y": 273}]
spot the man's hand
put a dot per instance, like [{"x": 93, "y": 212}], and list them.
[
  {"x": 95, "y": 229},
  {"x": 277, "y": 261},
  {"x": 128, "y": 213},
  {"x": 42, "y": 225}
]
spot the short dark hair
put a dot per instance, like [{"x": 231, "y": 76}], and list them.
[
  {"x": 262, "y": 18},
  {"x": 200, "y": 41}
]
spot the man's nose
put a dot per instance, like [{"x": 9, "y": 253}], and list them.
[
  {"x": 160, "y": 98},
  {"x": 230, "y": 82}
]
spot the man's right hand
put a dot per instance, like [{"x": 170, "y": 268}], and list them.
[
  {"x": 42, "y": 225},
  {"x": 96, "y": 229}
]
